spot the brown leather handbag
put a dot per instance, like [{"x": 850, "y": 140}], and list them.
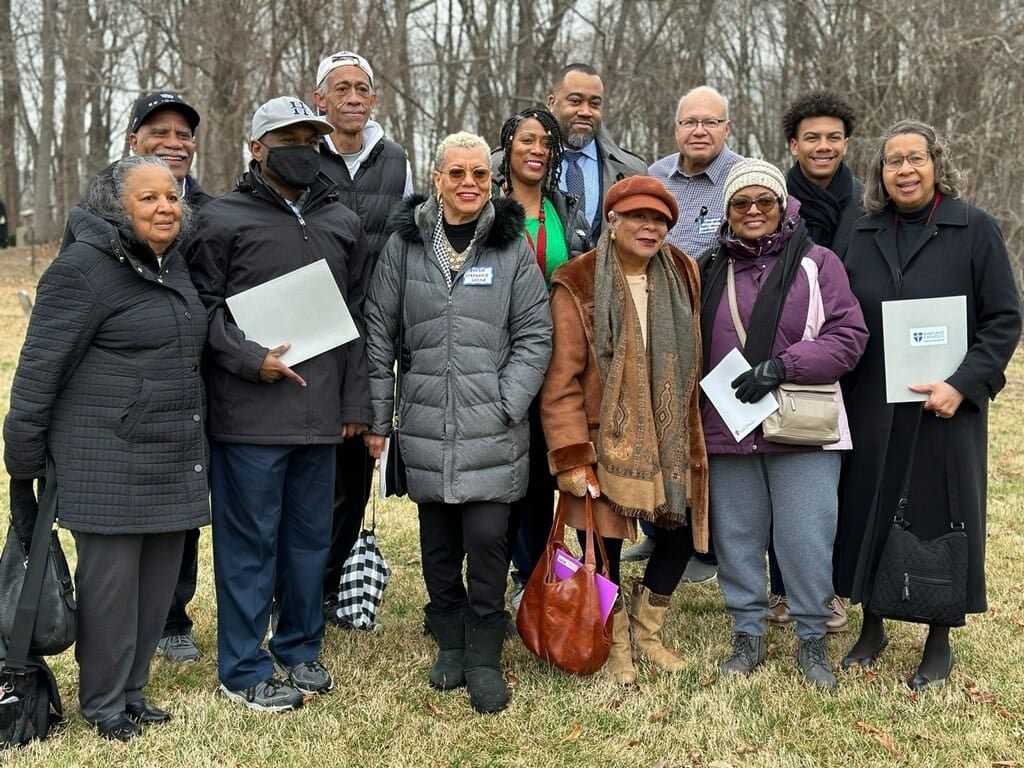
[{"x": 559, "y": 619}]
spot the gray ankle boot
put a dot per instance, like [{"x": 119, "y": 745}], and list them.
[
  {"x": 748, "y": 653},
  {"x": 449, "y": 631},
  {"x": 812, "y": 656}
]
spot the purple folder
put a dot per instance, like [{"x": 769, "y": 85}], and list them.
[{"x": 565, "y": 565}]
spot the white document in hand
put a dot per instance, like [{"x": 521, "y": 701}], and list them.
[
  {"x": 740, "y": 418},
  {"x": 303, "y": 307},
  {"x": 924, "y": 341}
]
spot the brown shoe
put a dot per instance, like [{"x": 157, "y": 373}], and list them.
[
  {"x": 837, "y": 622},
  {"x": 778, "y": 610}
]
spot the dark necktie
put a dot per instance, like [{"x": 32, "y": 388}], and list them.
[{"x": 574, "y": 183}]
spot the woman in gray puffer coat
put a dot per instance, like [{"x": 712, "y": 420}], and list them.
[
  {"x": 460, "y": 287},
  {"x": 107, "y": 403}
]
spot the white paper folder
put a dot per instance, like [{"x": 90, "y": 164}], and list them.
[
  {"x": 303, "y": 307},
  {"x": 924, "y": 341}
]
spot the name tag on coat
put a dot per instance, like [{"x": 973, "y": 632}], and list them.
[{"x": 479, "y": 276}]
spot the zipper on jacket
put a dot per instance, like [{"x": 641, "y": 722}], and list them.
[{"x": 302, "y": 225}]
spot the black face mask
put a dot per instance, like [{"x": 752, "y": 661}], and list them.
[{"x": 297, "y": 166}]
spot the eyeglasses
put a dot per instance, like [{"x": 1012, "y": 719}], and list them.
[
  {"x": 916, "y": 160},
  {"x": 691, "y": 123},
  {"x": 764, "y": 203},
  {"x": 457, "y": 174}
]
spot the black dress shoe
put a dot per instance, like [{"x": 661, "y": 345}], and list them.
[
  {"x": 865, "y": 661},
  {"x": 920, "y": 682},
  {"x": 144, "y": 713},
  {"x": 118, "y": 728}
]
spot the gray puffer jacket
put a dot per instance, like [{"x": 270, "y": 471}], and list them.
[
  {"x": 108, "y": 383},
  {"x": 473, "y": 356}
]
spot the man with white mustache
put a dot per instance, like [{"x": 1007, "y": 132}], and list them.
[{"x": 164, "y": 125}]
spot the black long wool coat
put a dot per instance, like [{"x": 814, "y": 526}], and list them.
[{"x": 962, "y": 252}]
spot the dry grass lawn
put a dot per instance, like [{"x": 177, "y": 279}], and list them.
[{"x": 382, "y": 713}]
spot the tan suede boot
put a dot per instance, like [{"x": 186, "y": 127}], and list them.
[
  {"x": 620, "y": 659},
  {"x": 646, "y": 615}
]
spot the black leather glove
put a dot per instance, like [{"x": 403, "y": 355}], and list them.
[
  {"x": 754, "y": 384},
  {"x": 24, "y": 508}
]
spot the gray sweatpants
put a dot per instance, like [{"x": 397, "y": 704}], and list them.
[{"x": 795, "y": 493}]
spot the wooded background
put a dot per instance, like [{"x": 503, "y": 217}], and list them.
[{"x": 71, "y": 68}]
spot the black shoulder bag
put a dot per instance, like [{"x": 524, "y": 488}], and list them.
[
  {"x": 30, "y": 703},
  {"x": 922, "y": 581}
]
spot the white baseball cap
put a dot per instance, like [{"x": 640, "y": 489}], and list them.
[{"x": 342, "y": 59}]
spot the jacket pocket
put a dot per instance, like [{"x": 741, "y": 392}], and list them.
[{"x": 133, "y": 412}]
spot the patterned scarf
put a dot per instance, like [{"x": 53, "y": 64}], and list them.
[
  {"x": 643, "y": 443},
  {"x": 440, "y": 244}
]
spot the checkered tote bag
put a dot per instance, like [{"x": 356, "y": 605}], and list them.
[{"x": 364, "y": 576}]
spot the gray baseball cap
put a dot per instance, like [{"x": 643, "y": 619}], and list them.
[{"x": 284, "y": 111}]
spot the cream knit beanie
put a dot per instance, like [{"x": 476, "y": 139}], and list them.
[{"x": 751, "y": 171}]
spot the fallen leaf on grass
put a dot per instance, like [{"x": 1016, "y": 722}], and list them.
[
  {"x": 634, "y": 743},
  {"x": 773, "y": 648},
  {"x": 438, "y": 713},
  {"x": 510, "y": 677},
  {"x": 661, "y": 714},
  {"x": 575, "y": 733},
  {"x": 869, "y": 676},
  {"x": 863, "y": 727},
  {"x": 745, "y": 748},
  {"x": 1017, "y": 621},
  {"x": 886, "y": 741},
  {"x": 924, "y": 736},
  {"x": 707, "y": 682},
  {"x": 1004, "y": 713},
  {"x": 978, "y": 696}
]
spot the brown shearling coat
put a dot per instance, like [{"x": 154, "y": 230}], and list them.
[{"x": 572, "y": 391}]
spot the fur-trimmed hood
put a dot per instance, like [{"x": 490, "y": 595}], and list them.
[{"x": 501, "y": 221}]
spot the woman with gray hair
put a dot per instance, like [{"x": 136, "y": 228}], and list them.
[
  {"x": 457, "y": 287},
  {"x": 107, "y": 403},
  {"x": 921, "y": 241}
]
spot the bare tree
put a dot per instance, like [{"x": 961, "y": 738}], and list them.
[{"x": 444, "y": 65}]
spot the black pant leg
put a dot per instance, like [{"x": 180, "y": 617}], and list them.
[
  {"x": 353, "y": 478},
  {"x": 178, "y": 620}
]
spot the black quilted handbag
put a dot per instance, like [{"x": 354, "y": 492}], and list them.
[{"x": 922, "y": 581}]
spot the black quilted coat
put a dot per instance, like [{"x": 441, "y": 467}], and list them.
[{"x": 109, "y": 383}]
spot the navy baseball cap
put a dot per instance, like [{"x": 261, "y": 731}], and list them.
[{"x": 152, "y": 102}]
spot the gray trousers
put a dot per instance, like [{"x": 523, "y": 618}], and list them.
[
  {"x": 124, "y": 585},
  {"x": 795, "y": 493}
]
